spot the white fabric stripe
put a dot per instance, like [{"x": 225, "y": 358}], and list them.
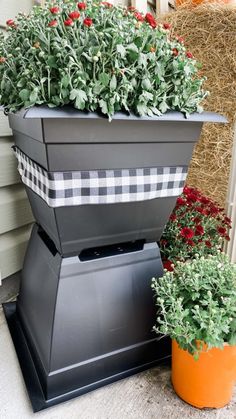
[{"x": 89, "y": 187}]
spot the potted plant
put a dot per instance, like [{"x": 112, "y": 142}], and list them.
[
  {"x": 73, "y": 65},
  {"x": 197, "y": 309},
  {"x": 97, "y": 98},
  {"x": 196, "y": 225}
]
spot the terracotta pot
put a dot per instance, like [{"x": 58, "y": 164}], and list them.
[{"x": 207, "y": 382}]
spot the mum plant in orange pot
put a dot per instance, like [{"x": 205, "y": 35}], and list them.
[{"x": 197, "y": 309}]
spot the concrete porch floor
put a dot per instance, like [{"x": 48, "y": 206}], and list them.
[{"x": 147, "y": 395}]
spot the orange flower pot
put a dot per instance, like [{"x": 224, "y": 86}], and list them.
[{"x": 207, "y": 382}]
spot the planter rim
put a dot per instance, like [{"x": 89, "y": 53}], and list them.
[{"x": 37, "y": 112}]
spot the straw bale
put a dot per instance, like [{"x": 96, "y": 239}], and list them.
[{"x": 209, "y": 31}]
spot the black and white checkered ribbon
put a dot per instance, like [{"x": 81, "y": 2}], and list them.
[{"x": 100, "y": 186}]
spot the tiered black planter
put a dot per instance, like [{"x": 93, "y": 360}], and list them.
[{"x": 85, "y": 312}]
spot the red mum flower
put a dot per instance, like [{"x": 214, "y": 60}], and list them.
[
  {"x": 166, "y": 26},
  {"x": 163, "y": 242},
  {"x": 55, "y": 10},
  {"x": 82, "y": 6},
  {"x": 88, "y": 21},
  {"x": 74, "y": 15},
  {"x": 139, "y": 16},
  {"x": 168, "y": 265},
  {"x": 199, "y": 209},
  {"x": 222, "y": 231},
  {"x": 180, "y": 39},
  {"x": 173, "y": 217},
  {"x": 52, "y": 24},
  {"x": 131, "y": 8},
  {"x": 199, "y": 230},
  {"x": 208, "y": 243},
  {"x": 107, "y": 4},
  {"x": 192, "y": 198},
  {"x": 151, "y": 20},
  {"x": 189, "y": 54},
  {"x": 227, "y": 238},
  {"x": 68, "y": 22},
  {"x": 187, "y": 233},
  {"x": 10, "y": 22},
  {"x": 227, "y": 220},
  {"x": 2, "y": 60},
  {"x": 197, "y": 220},
  {"x": 214, "y": 210},
  {"x": 204, "y": 200},
  {"x": 180, "y": 201},
  {"x": 191, "y": 243},
  {"x": 175, "y": 52}
]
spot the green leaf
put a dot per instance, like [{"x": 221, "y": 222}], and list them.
[
  {"x": 51, "y": 61},
  {"x": 232, "y": 340},
  {"x": 146, "y": 84},
  {"x": 104, "y": 79},
  {"x": 80, "y": 98},
  {"x": 103, "y": 106},
  {"x": 24, "y": 94},
  {"x": 121, "y": 49},
  {"x": 132, "y": 47},
  {"x": 65, "y": 81},
  {"x": 163, "y": 107},
  {"x": 113, "y": 83},
  {"x": 33, "y": 96}
]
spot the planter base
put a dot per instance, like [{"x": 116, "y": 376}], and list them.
[
  {"x": 35, "y": 392},
  {"x": 82, "y": 322}
]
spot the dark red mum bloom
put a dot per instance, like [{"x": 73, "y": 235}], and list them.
[
  {"x": 189, "y": 54},
  {"x": 53, "y": 23},
  {"x": 163, "y": 242},
  {"x": 168, "y": 265},
  {"x": 204, "y": 200},
  {"x": 180, "y": 201},
  {"x": 151, "y": 20},
  {"x": 197, "y": 220},
  {"x": 199, "y": 230},
  {"x": 191, "y": 243},
  {"x": 175, "y": 52},
  {"x": 227, "y": 238},
  {"x": 2, "y": 60},
  {"x": 208, "y": 243},
  {"x": 55, "y": 10},
  {"x": 10, "y": 22},
  {"x": 173, "y": 217},
  {"x": 139, "y": 16},
  {"x": 82, "y": 6},
  {"x": 88, "y": 21},
  {"x": 180, "y": 39},
  {"x": 199, "y": 209},
  {"x": 166, "y": 26},
  {"x": 192, "y": 198},
  {"x": 107, "y": 4},
  {"x": 222, "y": 231},
  {"x": 227, "y": 220},
  {"x": 74, "y": 15},
  {"x": 187, "y": 233},
  {"x": 68, "y": 22}
]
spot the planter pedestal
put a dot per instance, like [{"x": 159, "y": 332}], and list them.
[
  {"x": 85, "y": 321},
  {"x": 85, "y": 311}
]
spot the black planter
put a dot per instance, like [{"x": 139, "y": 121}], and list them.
[
  {"x": 85, "y": 311},
  {"x": 66, "y": 140}
]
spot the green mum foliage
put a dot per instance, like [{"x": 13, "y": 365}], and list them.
[
  {"x": 96, "y": 57},
  {"x": 197, "y": 303}
]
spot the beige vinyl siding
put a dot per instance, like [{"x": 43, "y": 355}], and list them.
[{"x": 15, "y": 213}]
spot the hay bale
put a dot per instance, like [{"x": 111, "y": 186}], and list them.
[{"x": 209, "y": 31}]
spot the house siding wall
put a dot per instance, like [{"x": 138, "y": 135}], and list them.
[{"x": 15, "y": 213}]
